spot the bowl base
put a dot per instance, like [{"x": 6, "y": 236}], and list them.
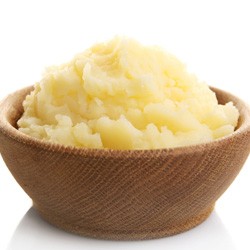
[{"x": 131, "y": 235}]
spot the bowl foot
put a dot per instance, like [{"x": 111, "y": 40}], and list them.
[{"x": 125, "y": 235}]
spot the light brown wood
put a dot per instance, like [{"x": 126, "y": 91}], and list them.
[{"x": 129, "y": 194}]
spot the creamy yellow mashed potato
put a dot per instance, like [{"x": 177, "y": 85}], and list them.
[{"x": 123, "y": 95}]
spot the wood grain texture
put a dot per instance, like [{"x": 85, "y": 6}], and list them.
[{"x": 122, "y": 194}]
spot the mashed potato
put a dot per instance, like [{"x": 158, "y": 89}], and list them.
[{"x": 123, "y": 95}]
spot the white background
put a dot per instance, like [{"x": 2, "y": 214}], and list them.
[{"x": 211, "y": 37}]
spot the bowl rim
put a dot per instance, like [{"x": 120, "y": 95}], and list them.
[{"x": 10, "y": 131}]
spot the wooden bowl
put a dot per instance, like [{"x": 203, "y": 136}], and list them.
[{"x": 130, "y": 194}]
